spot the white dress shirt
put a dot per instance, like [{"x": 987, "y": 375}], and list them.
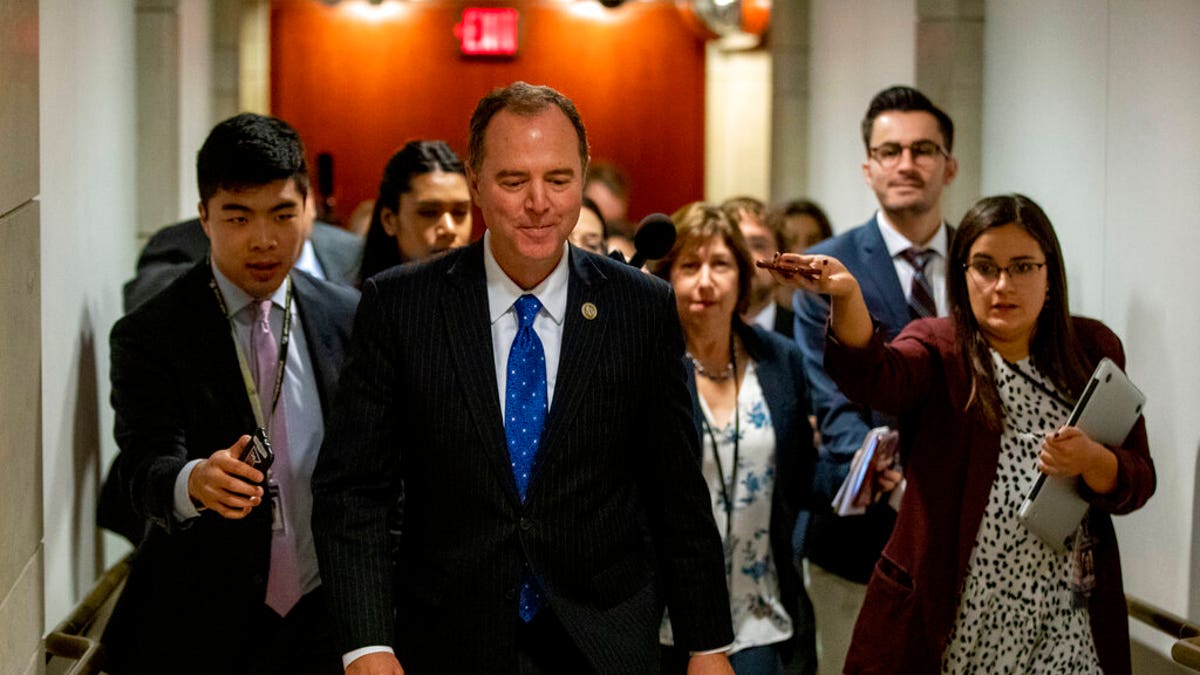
[
  {"x": 308, "y": 261},
  {"x": 503, "y": 292},
  {"x": 765, "y": 319}
]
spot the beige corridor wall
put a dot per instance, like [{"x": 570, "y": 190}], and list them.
[
  {"x": 1090, "y": 108},
  {"x": 737, "y": 124},
  {"x": 21, "y": 552},
  {"x": 857, "y": 49},
  {"x": 88, "y": 189}
]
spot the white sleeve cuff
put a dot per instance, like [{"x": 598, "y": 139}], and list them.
[
  {"x": 350, "y": 657},
  {"x": 184, "y": 508},
  {"x": 718, "y": 650}
]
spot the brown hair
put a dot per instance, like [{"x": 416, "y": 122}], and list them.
[
  {"x": 695, "y": 224},
  {"x": 777, "y": 218},
  {"x": 1054, "y": 348},
  {"x": 905, "y": 99},
  {"x": 737, "y": 208},
  {"x": 520, "y": 98}
]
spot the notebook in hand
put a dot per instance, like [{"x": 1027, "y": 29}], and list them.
[
  {"x": 1107, "y": 410},
  {"x": 857, "y": 492}
]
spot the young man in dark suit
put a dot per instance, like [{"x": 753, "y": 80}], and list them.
[
  {"x": 329, "y": 253},
  {"x": 899, "y": 258},
  {"x": 530, "y": 398},
  {"x": 226, "y": 578}
]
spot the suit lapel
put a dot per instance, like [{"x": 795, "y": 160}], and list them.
[
  {"x": 581, "y": 342},
  {"x": 337, "y": 252},
  {"x": 212, "y": 339},
  {"x": 773, "y": 380},
  {"x": 465, "y": 309},
  {"x": 318, "y": 333},
  {"x": 879, "y": 280}
]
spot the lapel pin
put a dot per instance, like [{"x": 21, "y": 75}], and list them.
[{"x": 589, "y": 311}]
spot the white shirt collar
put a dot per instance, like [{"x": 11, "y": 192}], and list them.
[
  {"x": 766, "y": 317},
  {"x": 503, "y": 291},
  {"x": 236, "y": 299},
  {"x": 896, "y": 243},
  {"x": 308, "y": 260}
]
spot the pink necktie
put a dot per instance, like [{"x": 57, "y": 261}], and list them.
[{"x": 283, "y": 580}]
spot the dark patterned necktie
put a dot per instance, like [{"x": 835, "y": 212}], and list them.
[
  {"x": 920, "y": 299},
  {"x": 525, "y": 417}
]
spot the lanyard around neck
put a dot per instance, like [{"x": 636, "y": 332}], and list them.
[
  {"x": 1054, "y": 396},
  {"x": 248, "y": 379},
  {"x": 728, "y": 489},
  {"x": 731, "y": 486}
]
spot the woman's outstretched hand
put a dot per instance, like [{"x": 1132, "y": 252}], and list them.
[
  {"x": 826, "y": 275},
  {"x": 813, "y": 273}
]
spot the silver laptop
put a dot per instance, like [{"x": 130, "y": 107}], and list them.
[{"x": 1107, "y": 410}]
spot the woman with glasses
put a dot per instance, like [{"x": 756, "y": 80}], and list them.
[
  {"x": 749, "y": 397},
  {"x": 982, "y": 397}
]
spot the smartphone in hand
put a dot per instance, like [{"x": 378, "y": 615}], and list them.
[
  {"x": 258, "y": 453},
  {"x": 789, "y": 270}
]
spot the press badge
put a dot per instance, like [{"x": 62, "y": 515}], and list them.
[{"x": 278, "y": 519}]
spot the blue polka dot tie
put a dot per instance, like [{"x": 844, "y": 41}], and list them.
[{"x": 525, "y": 416}]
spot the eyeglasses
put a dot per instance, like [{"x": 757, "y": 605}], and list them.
[
  {"x": 924, "y": 153},
  {"x": 989, "y": 272}
]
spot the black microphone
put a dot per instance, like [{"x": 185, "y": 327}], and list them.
[{"x": 654, "y": 238}]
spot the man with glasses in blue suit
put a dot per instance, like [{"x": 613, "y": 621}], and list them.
[{"x": 899, "y": 258}]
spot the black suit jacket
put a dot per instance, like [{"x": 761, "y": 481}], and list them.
[
  {"x": 196, "y": 590},
  {"x": 616, "y": 519},
  {"x": 785, "y": 321},
  {"x": 175, "y": 248}
]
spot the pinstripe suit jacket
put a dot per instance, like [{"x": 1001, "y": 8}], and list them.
[{"x": 616, "y": 519}]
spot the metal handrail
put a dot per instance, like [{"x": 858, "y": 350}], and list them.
[
  {"x": 68, "y": 641},
  {"x": 1186, "y": 650}
]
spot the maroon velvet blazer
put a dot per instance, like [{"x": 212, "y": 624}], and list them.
[{"x": 950, "y": 460}]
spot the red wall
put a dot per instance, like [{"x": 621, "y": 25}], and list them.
[{"x": 359, "y": 81}]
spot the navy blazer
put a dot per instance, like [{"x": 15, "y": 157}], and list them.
[
  {"x": 847, "y": 546},
  {"x": 781, "y": 376},
  {"x": 616, "y": 519},
  {"x": 178, "y": 395},
  {"x": 844, "y": 424}
]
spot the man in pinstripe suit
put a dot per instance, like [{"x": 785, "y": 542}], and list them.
[{"x": 614, "y": 520}]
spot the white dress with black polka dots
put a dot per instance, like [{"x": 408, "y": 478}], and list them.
[{"x": 1015, "y": 614}]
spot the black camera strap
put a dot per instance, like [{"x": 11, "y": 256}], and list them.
[
  {"x": 1054, "y": 396},
  {"x": 247, "y": 378}
]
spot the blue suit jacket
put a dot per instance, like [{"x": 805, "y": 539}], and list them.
[{"x": 853, "y": 548}]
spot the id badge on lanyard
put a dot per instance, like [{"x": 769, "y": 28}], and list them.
[{"x": 258, "y": 452}]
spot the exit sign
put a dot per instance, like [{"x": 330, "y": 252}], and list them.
[{"x": 490, "y": 31}]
